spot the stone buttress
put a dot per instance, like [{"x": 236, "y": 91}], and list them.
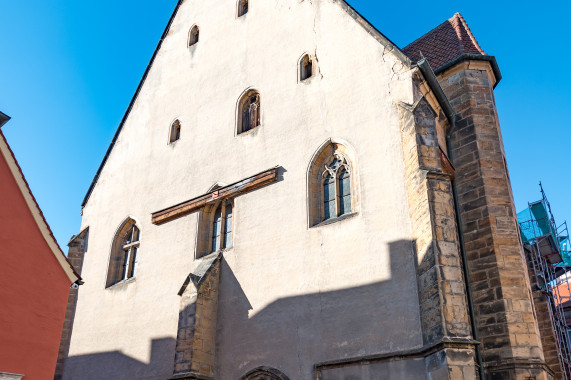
[
  {"x": 196, "y": 335},
  {"x": 447, "y": 338}
]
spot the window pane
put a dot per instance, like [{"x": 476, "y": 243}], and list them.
[
  {"x": 329, "y": 197},
  {"x": 344, "y": 183},
  {"x": 242, "y": 8},
  {"x": 228, "y": 226},
  {"x": 216, "y": 224},
  {"x": 328, "y": 189},
  {"x": 215, "y": 243},
  {"x": 194, "y": 33},
  {"x": 306, "y": 67},
  {"x": 125, "y": 265},
  {"x": 345, "y": 205},
  {"x": 344, "y": 192},
  {"x": 216, "y": 227},
  {"x": 254, "y": 111},
  {"x": 175, "y": 131},
  {"x": 135, "y": 234},
  {"x": 330, "y": 210},
  {"x": 246, "y": 118},
  {"x": 133, "y": 265}
]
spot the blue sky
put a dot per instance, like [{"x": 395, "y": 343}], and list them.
[{"x": 68, "y": 70}]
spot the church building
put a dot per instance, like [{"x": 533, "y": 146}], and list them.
[{"x": 292, "y": 196}]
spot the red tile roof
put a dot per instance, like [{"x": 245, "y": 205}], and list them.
[{"x": 443, "y": 44}]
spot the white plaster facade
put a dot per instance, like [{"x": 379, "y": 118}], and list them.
[{"x": 291, "y": 295}]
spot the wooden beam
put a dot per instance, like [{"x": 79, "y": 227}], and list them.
[{"x": 231, "y": 191}]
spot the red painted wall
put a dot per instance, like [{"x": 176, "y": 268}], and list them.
[{"x": 33, "y": 289}]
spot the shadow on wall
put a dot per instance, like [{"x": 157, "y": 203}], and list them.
[
  {"x": 118, "y": 366},
  {"x": 293, "y": 334}
]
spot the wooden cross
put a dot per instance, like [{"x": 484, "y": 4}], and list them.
[{"x": 231, "y": 191}]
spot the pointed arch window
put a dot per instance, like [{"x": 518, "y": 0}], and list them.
[
  {"x": 332, "y": 182},
  {"x": 175, "y": 131},
  {"x": 124, "y": 255},
  {"x": 193, "y": 36},
  {"x": 336, "y": 187},
  {"x": 242, "y": 7},
  {"x": 222, "y": 227},
  {"x": 249, "y": 111},
  {"x": 305, "y": 67},
  {"x": 215, "y": 228}
]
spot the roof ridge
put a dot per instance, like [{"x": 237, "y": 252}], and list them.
[
  {"x": 461, "y": 19},
  {"x": 456, "y": 25}
]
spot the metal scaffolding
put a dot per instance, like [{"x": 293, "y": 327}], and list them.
[{"x": 549, "y": 259}]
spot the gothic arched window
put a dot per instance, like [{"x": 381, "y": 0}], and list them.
[
  {"x": 222, "y": 227},
  {"x": 332, "y": 183},
  {"x": 305, "y": 68},
  {"x": 242, "y": 7},
  {"x": 125, "y": 249},
  {"x": 215, "y": 228},
  {"x": 249, "y": 111},
  {"x": 336, "y": 187},
  {"x": 193, "y": 35},
  {"x": 175, "y": 131}
]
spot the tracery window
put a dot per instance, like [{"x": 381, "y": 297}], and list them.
[
  {"x": 124, "y": 255},
  {"x": 336, "y": 187},
  {"x": 332, "y": 183},
  {"x": 249, "y": 111},
  {"x": 193, "y": 36},
  {"x": 305, "y": 68},
  {"x": 175, "y": 131},
  {"x": 242, "y": 7}
]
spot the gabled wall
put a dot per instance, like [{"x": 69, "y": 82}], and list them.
[
  {"x": 290, "y": 296},
  {"x": 34, "y": 287}
]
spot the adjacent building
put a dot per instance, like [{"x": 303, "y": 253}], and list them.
[{"x": 35, "y": 279}]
